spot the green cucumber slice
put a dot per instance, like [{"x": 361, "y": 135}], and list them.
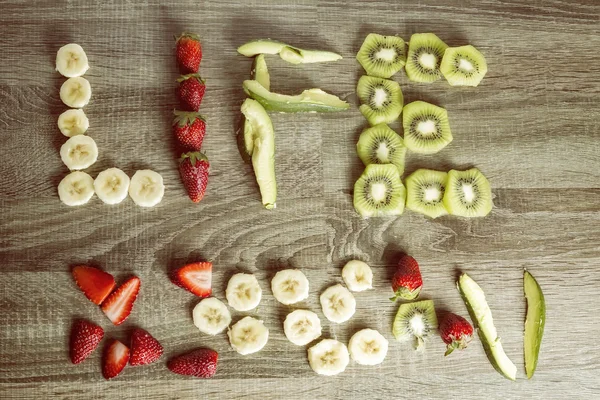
[
  {"x": 260, "y": 73},
  {"x": 534, "y": 323}
]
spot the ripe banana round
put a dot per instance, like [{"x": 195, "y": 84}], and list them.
[
  {"x": 71, "y": 60},
  {"x": 243, "y": 292},
  {"x": 338, "y": 304},
  {"x": 368, "y": 347},
  {"x": 76, "y": 189},
  {"x": 211, "y": 316},
  {"x": 302, "y": 327},
  {"x": 357, "y": 275},
  {"x": 248, "y": 335},
  {"x": 328, "y": 357},
  {"x": 289, "y": 286},
  {"x": 79, "y": 152},
  {"x": 146, "y": 188},
  {"x": 76, "y": 92},
  {"x": 73, "y": 122},
  {"x": 112, "y": 185}
]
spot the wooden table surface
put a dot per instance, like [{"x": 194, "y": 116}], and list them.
[{"x": 532, "y": 127}]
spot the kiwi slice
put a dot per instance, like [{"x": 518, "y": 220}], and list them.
[
  {"x": 425, "y": 53},
  {"x": 468, "y": 194},
  {"x": 463, "y": 66},
  {"x": 425, "y": 190},
  {"x": 379, "y": 191},
  {"x": 381, "y": 99},
  {"x": 381, "y": 145},
  {"x": 382, "y": 56},
  {"x": 426, "y": 127},
  {"x": 415, "y": 321}
]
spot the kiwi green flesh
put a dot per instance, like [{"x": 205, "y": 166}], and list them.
[
  {"x": 381, "y": 145},
  {"x": 468, "y": 194},
  {"x": 382, "y": 56},
  {"x": 260, "y": 72},
  {"x": 382, "y": 99},
  {"x": 534, "y": 323},
  {"x": 415, "y": 321},
  {"x": 463, "y": 66},
  {"x": 426, "y": 127},
  {"x": 425, "y": 190},
  {"x": 425, "y": 53},
  {"x": 379, "y": 191}
]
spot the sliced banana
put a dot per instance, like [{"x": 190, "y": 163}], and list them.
[
  {"x": 328, "y": 357},
  {"x": 289, "y": 286},
  {"x": 76, "y": 92},
  {"x": 146, "y": 188},
  {"x": 302, "y": 327},
  {"x": 76, "y": 189},
  {"x": 73, "y": 122},
  {"x": 79, "y": 152},
  {"x": 338, "y": 304},
  {"x": 112, "y": 185},
  {"x": 368, "y": 347},
  {"x": 71, "y": 60},
  {"x": 248, "y": 335},
  {"x": 243, "y": 292},
  {"x": 357, "y": 276},
  {"x": 211, "y": 316}
]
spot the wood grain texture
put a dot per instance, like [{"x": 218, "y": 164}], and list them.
[{"x": 531, "y": 127}]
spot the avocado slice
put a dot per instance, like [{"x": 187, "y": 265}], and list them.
[
  {"x": 311, "y": 100},
  {"x": 260, "y": 73},
  {"x": 263, "y": 46},
  {"x": 288, "y": 53},
  {"x": 534, "y": 323},
  {"x": 482, "y": 317}
]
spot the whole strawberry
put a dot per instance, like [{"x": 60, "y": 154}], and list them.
[
  {"x": 190, "y": 91},
  {"x": 193, "y": 168},
  {"x": 189, "y": 128},
  {"x": 188, "y": 52},
  {"x": 407, "y": 281},
  {"x": 456, "y": 332},
  {"x": 201, "y": 363}
]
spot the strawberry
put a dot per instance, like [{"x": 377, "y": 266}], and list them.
[
  {"x": 93, "y": 282},
  {"x": 193, "y": 168},
  {"x": 189, "y": 129},
  {"x": 85, "y": 338},
  {"x": 201, "y": 363},
  {"x": 190, "y": 91},
  {"x": 116, "y": 356},
  {"x": 188, "y": 52},
  {"x": 456, "y": 332},
  {"x": 195, "y": 278},
  {"x": 407, "y": 281},
  {"x": 118, "y": 305},
  {"x": 144, "y": 348}
]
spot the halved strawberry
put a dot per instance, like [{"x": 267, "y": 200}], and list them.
[
  {"x": 144, "y": 348},
  {"x": 85, "y": 338},
  {"x": 201, "y": 363},
  {"x": 118, "y": 305},
  {"x": 93, "y": 282},
  {"x": 115, "y": 359},
  {"x": 195, "y": 278}
]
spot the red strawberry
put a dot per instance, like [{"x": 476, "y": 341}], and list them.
[
  {"x": 201, "y": 363},
  {"x": 456, "y": 332},
  {"x": 115, "y": 359},
  {"x": 188, "y": 52},
  {"x": 190, "y": 91},
  {"x": 93, "y": 282},
  {"x": 407, "y": 281},
  {"x": 118, "y": 305},
  {"x": 195, "y": 278},
  {"x": 189, "y": 129},
  {"x": 85, "y": 337},
  {"x": 193, "y": 168},
  {"x": 144, "y": 348}
]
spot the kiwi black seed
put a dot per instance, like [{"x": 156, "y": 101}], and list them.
[
  {"x": 468, "y": 194},
  {"x": 463, "y": 66},
  {"x": 379, "y": 191},
  {"x": 425, "y": 190},
  {"x": 415, "y": 321},
  {"x": 381, "y": 99},
  {"x": 382, "y": 56},
  {"x": 381, "y": 145},
  {"x": 425, "y": 53},
  {"x": 426, "y": 127}
]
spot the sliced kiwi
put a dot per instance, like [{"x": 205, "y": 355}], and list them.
[
  {"x": 463, "y": 66},
  {"x": 425, "y": 190},
  {"x": 468, "y": 193},
  {"x": 381, "y": 145},
  {"x": 382, "y": 56},
  {"x": 415, "y": 321},
  {"x": 379, "y": 191},
  {"x": 381, "y": 99},
  {"x": 425, "y": 53},
  {"x": 426, "y": 127}
]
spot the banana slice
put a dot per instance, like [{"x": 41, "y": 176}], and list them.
[
  {"x": 79, "y": 152},
  {"x": 289, "y": 286},
  {"x": 211, "y": 316},
  {"x": 76, "y": 92},
  {"x": 368, "y": 347},
  {"x": 248, "y": 335},
  {"x": 112, "y": 185},
  {"x": 71, "y": 61},
  {"x": 243, "y": 292},
  {"x": 328, "y": 357},
  {"x": 76, "y": 189},
  {"x": 338, "y": 304},
  {"x": 302, "y": 327},
  {"x": 73, "y": 122},
  {"x": 357, "y": 275},
  {"x": 146, "y": 188}
]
